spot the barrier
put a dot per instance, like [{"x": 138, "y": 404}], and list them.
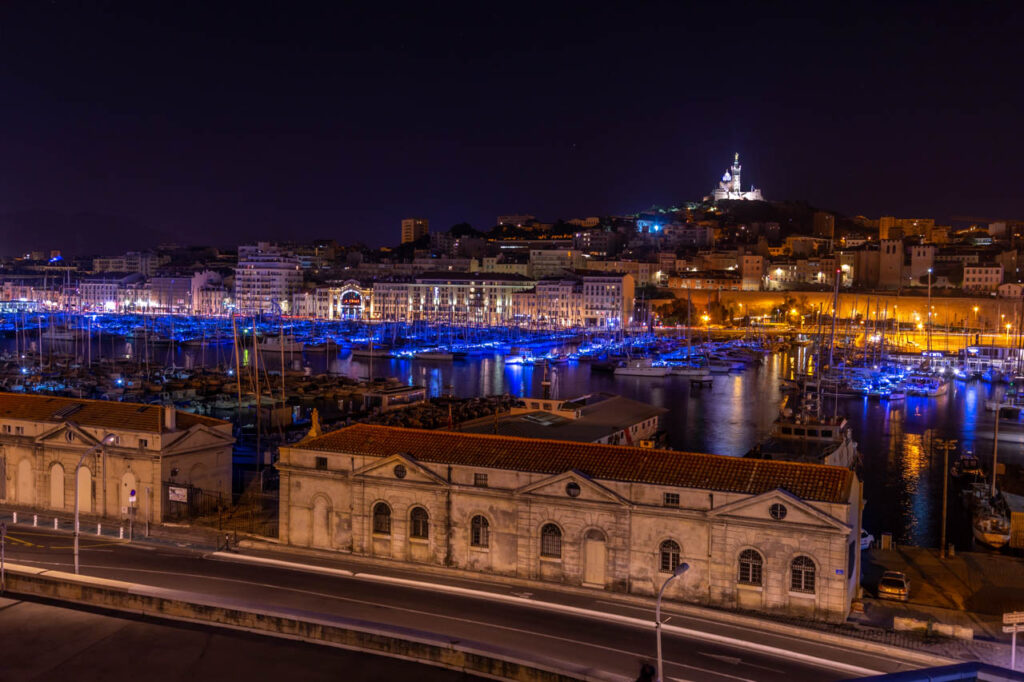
[{"x": 421, "y": 647}]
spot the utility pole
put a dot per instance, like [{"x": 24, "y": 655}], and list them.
[{"x": 944, "y": 444}]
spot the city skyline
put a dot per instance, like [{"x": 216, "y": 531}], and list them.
[{"x": 225, "y": 126}]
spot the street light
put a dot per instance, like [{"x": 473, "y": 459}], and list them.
[
  {"x": 679, "y": 570},
  {"x": 109, "y": 439}
]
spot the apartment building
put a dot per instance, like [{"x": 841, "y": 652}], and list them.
[{"x": 266, "y": 278}]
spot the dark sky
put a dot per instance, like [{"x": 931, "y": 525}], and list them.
[{"x": 122, "y": 125}]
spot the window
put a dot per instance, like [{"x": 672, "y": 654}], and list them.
[
  {"x": 419, "y": 523},
  {"x": 7, "y": 428},
  {"x": 400, "y": 471},
  {"x": 572, "y": 489},
  {"x": 669, "y": 556},
  {"x": 19, "y": 430},
  {"x": 777, "y": 511},
  {"x": 670, "y": 499},
  {"x": 479, "y": 532},
  {"x": 551, "y": 541},
  {"x": 382, "y": 519},
  {"x": 69, "y": 436},
  {"x": 751, "y": 565},
  {"x": 321, "y": 463},
  {"x": 802, "y": 575},
  {"x": 144, "y": 443},
  {"x": 480, "y": 480}
]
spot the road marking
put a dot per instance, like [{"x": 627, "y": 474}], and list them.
[
  {"x": 430, "y": 614},
  {"x": 772, "y": 651}
]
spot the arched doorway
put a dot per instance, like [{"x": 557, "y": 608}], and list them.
[
  {"x": 85, "y": 490},
  {"x": 595, "y": 558},
  {"x": 26, "y": 483},
  {"x": 57, "y": 486},
  {"x": 321, "y": 522}
]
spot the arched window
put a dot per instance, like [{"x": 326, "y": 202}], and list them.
[
  {"x": 751, "y": 565},
  {"x": 419, "y": 523},
  {"x": 669, "y": 556},
  {"x": 551, "y": 541},
  {"x": 802, "y": 575},
  {"x": 479, "y": 532},
  {"x": 382, "y": 519}
]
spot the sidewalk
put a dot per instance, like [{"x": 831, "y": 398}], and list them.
[{"x": 972, "y": 589}]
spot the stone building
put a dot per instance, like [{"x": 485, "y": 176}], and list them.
[
  {"x": 42, "y": 439},
  {"x": 758, "y": 535}
]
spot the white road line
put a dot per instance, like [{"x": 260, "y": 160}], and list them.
[
  {"x": 431, "y": 614},
  {"x": 586, "y": 613}
]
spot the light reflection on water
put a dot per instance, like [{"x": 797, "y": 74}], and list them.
[{"x": 903, "y": 480}]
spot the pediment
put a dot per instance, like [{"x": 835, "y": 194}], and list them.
[
  {"x": 58, "y": 436},
  {"x": 798, "y": 512},
  {"x": 385, "y": 468},
  {"x": 197, "y": 437},
  {"x": 556, "y": 486}
]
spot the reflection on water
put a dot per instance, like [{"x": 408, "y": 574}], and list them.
[{"x": 903, "y": 478}]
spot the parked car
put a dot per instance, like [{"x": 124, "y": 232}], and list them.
[
  {"x": 894, "y": 585},
  {"x": 867, "y": 540}
]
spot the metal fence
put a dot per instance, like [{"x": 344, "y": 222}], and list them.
[{"x": 252, "y": 512}]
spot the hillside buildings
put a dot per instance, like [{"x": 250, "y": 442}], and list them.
[{"x": 414, "y": 228}]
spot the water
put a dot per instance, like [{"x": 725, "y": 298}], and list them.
[{"x": 903, "y": 472}]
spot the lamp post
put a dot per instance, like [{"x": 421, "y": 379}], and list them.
[
  {"x": 679, "y": 570},
  {"x": 108, "y": 439},
  {"x": 929, "y": 308},
  {"x": 945, "y": 444}
]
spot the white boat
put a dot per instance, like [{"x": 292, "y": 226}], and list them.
[
  {"x": 642, "y": 367},
  {"x": 991, "y": 528},
  {"x": 278, "y": 343},
  {"x": 371, "y": 352},
  {"x": 692, "y": 371},
  {"x": 437, "y": 355}
]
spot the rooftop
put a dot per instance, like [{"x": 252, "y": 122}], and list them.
[
  {"x": 95, "y": 413},
  {"x": 609, "y": 462}
]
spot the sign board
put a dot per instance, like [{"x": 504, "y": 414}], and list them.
[
  {"x": 1013, "y": 628},
  {"x": 176, "y": 494},
  {"x": 131, "y": 497},
  {"x": 1013, "y": 618}
]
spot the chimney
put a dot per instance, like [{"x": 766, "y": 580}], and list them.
[{"x": 170, "y": 418}]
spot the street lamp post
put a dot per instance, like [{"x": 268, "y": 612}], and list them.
[
  {"x": 108, "y": 439},
  {"x": 945, "y": 444},
  {"x": 679, "y": 570}
]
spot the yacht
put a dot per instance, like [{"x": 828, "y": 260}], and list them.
[
  {"x": 642, "y": 367},
  {"x": 278, "y": 343},
  {"x": 805, "y": 435},
  {"x": 991, "y": 527}
]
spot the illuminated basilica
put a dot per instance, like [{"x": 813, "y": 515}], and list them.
[{"x": 730, "y": 188}]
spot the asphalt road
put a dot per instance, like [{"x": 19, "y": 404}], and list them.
[
  {"x": 43, "y": 642},
  {"x": 614, "y": 647}
]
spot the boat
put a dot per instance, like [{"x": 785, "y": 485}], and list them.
[
  {"x": 436, "y": 355},
  {"x": 692, "y": 371},
  {"x": 642, "y": 367},
  {"x": 990, "y": 527},
  {"x": 371, "y": 351},
  {"x": 967, "y": 467},
  {"x": 285, "y": 343},
  {"x": 805, "y": 435}
]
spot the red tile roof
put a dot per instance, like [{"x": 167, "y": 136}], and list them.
[
  {"x": 610, "y": 462},
  {"x": 99, "y": 413}
]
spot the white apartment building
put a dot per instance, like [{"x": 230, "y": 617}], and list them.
[
  {"x": 265, "y": 279},
  {"x": 455, "y": 297},
  {"x": 608, "y": 300},
  {"x": 982, "y": 277}
]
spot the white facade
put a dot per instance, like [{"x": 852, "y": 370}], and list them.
[
  {"x": 731, "y": 188},
  {"x": 982, "y": 277},
  {"x": 265, "y": 279},
  {"x": 458, "y": 298}
]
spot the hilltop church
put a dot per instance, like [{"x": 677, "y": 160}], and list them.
[{"x": 730, "y": 187}]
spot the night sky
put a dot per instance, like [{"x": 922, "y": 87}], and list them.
[{"x": 123, "y": 125}]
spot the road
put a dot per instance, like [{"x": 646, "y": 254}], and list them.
[
  {"x": 611, "y": 646},
  {"x": 43, "y": 643}
]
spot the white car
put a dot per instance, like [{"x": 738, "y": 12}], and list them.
[{"x": 867, "y": 540}]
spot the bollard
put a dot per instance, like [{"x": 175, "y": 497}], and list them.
[
  {"x": 55, "y": 523},
  {"x": 15, "y": 517},
  {"x": 35, "y": 519},
  {"x": 99, "y": 529},
  {"x": 120, "y": 535}
]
